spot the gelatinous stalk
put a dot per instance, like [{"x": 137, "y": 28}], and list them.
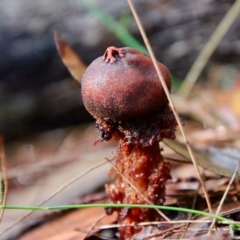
[{"x": 146, "y": 169}]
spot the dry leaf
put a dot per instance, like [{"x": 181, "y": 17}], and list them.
[
  {"x": 68, "y": 227},
  {"x": 70, "y": 59},
  {"x": 221, "y": 235}
]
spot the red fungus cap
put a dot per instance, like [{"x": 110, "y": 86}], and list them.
[{"x": 123, "y": 85}]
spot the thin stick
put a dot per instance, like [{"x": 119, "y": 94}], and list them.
[
  {"x": 190, "y": 216},
  {"x": 52, "y": 195},
  {"x": 209, "y": 48},
  {"x": 162, "y": 234},
  {"x": 93, "y": 226},
  {"x": 135, "y": 188},
  {"x": 224, "y": 197},
  {"x": 150, "y": 224},
  {"x": 35, "y": 167},
  {"x": 4, "y": 172},
  {"x": 170, "y": 100}
]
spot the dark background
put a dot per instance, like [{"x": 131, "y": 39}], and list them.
[{"x": 37, "y": 92}]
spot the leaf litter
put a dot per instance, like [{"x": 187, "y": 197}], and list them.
[
  {"x": 181, "y": 190},
  {"x": 213, "y": 126}
]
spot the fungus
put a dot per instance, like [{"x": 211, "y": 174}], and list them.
[{"x": 122, "y": 91}]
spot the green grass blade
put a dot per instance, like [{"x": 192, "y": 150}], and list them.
[
  {"x": 113, "y": 26},
  {"x": 112, "y": 205}
]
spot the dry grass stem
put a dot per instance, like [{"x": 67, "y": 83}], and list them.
[
  {"x": 53, "y": 195},
  {"x": 129, "y": 182},
  {"x": 163, "y": 234},
  {"x": 4, "y": 174},
  {"x": 56, "y": 160},
  {"x": 190, "y": 215},
  {"x": 35, "y": 167},
  {"x": 93, "y": 226},
  {"x": 170, "y": 101},
  {"x": 224, "y": 197},
  {"x": 209, "y": 48},
  {"x": 198, "y": 109}
]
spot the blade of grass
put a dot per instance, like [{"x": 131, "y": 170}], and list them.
[
  {"x": 113, "y": 205},
  {"x": 209, "y": 48},
  {"x": 170, "y": 101}
]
